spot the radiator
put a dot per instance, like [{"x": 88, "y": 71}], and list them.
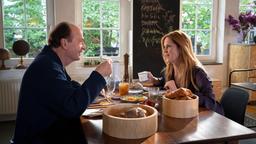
[{"x": 9, "y": 95}]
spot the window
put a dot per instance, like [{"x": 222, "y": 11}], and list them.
[
  {"x": 25, "y": 19},
  {"x": 246, "y": 6},
  {"x": 101, "y": 27},
  {"x": 198, "y": 18}
]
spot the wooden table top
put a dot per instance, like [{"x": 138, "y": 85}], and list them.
[{"x": 207, "y": 127}]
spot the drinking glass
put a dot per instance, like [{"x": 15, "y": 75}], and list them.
[
  {"x": 154, "y": 97},
  {"x": 111, "y": 86},
  {"x": 123, "y": 88}
]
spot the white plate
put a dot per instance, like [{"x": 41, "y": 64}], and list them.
[
  {"x": 135, "y": 91},
  {"x": 93, "y": 112},
  {"x": 134, "y": 98}
]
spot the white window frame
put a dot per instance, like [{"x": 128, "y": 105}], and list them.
[
  {"x": 50, "y": 23},
  {"x": 124, "y": 27},
  {"x": 217, "y": 33}
]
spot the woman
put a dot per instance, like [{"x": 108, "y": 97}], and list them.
[{"x": 183, "y": 69}]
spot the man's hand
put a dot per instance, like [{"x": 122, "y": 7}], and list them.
[{"x": 105, "y": 68}]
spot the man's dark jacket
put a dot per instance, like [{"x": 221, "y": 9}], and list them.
[{"x": 50, "y": 104}]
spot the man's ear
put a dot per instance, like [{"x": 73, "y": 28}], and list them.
[{"x": 63, "y": 43}]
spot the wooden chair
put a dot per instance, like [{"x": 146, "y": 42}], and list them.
[{"x": 234, "y": 102}]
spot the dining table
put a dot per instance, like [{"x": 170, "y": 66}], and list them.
[{"x": 205, "y": 128}]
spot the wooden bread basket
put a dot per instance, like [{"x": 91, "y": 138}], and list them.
[
  {"x": 180, "y": 108},
  {"x": 129, "y": 128}
]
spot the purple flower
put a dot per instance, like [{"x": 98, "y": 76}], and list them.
[
  {"x": 237, "y": 28},
  {"x": 252, "y": 20},
  {"x": 245, "y": 22}
]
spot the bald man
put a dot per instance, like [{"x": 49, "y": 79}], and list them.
[{"x": 50, "y": 103}]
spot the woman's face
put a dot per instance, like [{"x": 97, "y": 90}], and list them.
[{"x": 170, "y": 51}]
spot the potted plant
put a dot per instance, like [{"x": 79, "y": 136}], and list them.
[{"x": 246, "y": 21}]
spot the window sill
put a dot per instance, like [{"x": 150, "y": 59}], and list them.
[{"x": 211, "y": 63}]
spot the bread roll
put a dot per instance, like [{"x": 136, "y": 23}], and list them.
[
  {"x": 180, "y": 94},
  {"x": 135, "y": 112},
  {"x": 136, "y": 86}
]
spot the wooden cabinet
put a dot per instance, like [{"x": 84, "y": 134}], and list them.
[
  {"x": 242, "y": 56},
  {"x": 217, "y": 87}
]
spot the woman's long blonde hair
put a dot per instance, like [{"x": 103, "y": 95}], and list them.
[{"x": 187, "y": 59}]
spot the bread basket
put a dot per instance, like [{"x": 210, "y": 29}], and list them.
[
  {"x": 129, "y": 128},
  {"x": 180, "y": 108}
]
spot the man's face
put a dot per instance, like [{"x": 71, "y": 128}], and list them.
[{"x": 76, "y": 45}]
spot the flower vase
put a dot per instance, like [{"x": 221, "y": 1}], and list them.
[{"x": 245, "y": 38}]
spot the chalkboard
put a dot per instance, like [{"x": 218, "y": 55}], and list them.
[{"x": 151, "y": 20}]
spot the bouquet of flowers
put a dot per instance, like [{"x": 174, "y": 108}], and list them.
[{"x": 246, "y": 21}]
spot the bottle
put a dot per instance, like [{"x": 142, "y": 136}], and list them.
[
  {"x": 124, "y": 84},
  {"x": 126, "y": 63}
]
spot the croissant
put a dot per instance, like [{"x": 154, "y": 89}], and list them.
[{"x": 180, "y": 94}]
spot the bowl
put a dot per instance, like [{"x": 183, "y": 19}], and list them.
[
  {"x": 129, "y": 128},
  {"x": 180, "y": 108}
]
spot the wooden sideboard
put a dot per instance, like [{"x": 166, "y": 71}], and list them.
[
  {"x": 242, "y": 56},
  {"x": 217, "y": 88}
]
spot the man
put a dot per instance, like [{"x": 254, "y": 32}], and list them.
[{"x": 50, "y": 104}]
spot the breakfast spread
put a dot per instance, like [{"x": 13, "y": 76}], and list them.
[
  {"x": 133, "y": 98},
  {"x": 180, "y": 94},
  {"x": 105, "y": 103},
  {"x": 147, "y": 84},
  {"x": 136, "y": 86}
]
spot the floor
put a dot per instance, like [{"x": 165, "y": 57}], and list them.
[
  {"x": 251, "y": 110},
  {"x": 7, "y": 128},
  {"x": 6, "y": 131}
]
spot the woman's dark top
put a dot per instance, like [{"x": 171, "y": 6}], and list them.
[{"x": 204, "y": 92}]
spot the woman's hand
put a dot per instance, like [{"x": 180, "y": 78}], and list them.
[
  {"x": 152, "y": 79},
  {"x": 170, "y": 85}
]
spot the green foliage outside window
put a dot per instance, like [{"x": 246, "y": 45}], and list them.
[
  {"x": 246, "y": 5},
  {"x": 101, "y": 27},
  {"x": 196, "y": 22},
  {"x": 25, "y": 19}
]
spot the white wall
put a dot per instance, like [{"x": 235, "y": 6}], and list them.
[
  {"x": 220, "y": 71},
  {"x": 69, "y": 10}
]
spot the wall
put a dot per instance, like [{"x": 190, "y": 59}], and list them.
[
  {"x": 220, "y": 71},
  {"x": 67, "y": 10}
]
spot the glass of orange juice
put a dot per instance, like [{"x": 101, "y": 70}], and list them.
[{"x": 123, "y": 88}]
